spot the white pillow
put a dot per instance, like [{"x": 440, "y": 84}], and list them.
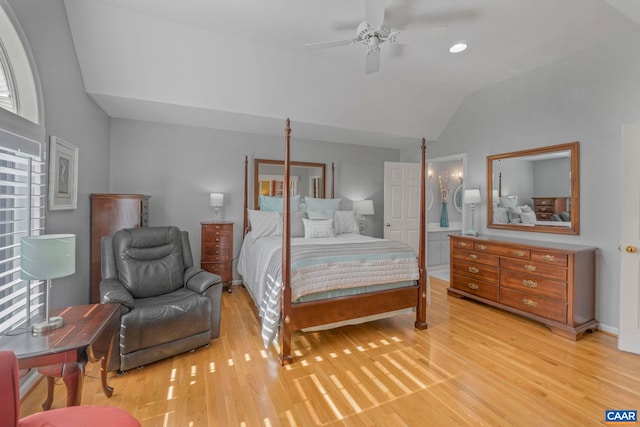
[
  {"x": 297, "y": 225},
  {"x": 528, "y": 217},
  {"x": 265, "y": 223},
  {"x": 346, "y": 222},
  {"x": 500, "y": 215},
  {"x": 320, "y": 214},
  {"x": 320, "y": 205},
  {"x": 318, "y": 228}
]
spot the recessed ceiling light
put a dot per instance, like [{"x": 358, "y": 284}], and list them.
[{"x": 458, "y": 47}]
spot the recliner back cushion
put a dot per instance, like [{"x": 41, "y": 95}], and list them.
[{"x": 149, "y": 260}]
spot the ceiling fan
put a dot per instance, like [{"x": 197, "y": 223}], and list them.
[{"x": 372, "y": 32}]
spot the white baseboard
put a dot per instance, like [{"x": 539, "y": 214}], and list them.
[
  {"x": 236, "y": 282},
  {"x": 609, "y": 329}
]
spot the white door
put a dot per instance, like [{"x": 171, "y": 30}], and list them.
[
  {"x": 629, "y": 332},
  {"x": 402, "y": 202}
]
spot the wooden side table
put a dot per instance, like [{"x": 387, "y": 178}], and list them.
[
  {"x": 217, "y": 250},
  {"x": 87, "y": 333}
]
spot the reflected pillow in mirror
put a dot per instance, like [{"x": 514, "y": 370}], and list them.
[
  {"x": 346, "y": 222},
  {"x": 320, "y": 205},
  {"x": 274, "y": 204},
  {"x": 508, "y": 201},
  {"x": 265, "y": 223},
  {"x": 514, "y": 215},
  {"x": 565, "y": 216},
  {"x": 297, "y": 224},
  {"x": 525, "y": 209},
  {"x": 528, "y": 217},
  {"x": 318, "y": 228},
  {"x": 500, "y": 215}
]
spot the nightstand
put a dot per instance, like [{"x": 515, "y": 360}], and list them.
[{"x": 217, "y": 250}]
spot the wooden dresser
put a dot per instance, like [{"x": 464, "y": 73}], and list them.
[
  {"x": 110, "y": 213},
  {"x": 217, "y": 250},
  {"x": 549, "y": 282},
  {"x": 545, "y": 207}
]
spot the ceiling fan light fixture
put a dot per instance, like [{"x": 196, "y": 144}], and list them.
[{"x": 458, "y": 47}]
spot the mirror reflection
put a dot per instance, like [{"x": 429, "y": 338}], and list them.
[
  {"x": 306, "y": 179},
  {"x": 534, "y": 190}
]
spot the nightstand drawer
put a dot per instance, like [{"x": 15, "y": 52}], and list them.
[
  {"x": 222, "y": 269},
  {"x": 217, "y": 253}
]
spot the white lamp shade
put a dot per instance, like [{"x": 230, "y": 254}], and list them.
[
  {"x": 48, "y": 256},
  {"x": 363, "y": 207},
  {"x": 216, "y": 199},
  {"x": 471, "y": 196}
]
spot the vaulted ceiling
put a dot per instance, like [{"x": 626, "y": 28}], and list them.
[{"x": 242, "y": 65}]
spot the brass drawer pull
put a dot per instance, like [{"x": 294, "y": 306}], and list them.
[
  {"x": 473, "y": 286},
  {"x": 529, "y": 302},
  {"x": 518, "y": 253},
  {"x": 473, "y": 256},
  {"x": 482, "y": 247},
  {"x": 462, "y": 244},
  {"x": 550, "y": 258},
  {"x": 473, "y": 270},
  {"x": 530, "y": 267},
  {"x": 530, "y": 283}
]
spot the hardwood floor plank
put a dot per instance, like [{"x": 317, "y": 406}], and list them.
[{"x": 474, "y": 365}]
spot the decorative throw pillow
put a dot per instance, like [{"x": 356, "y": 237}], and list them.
[
  {"x": 528, "y": 217},
  {"x": 297, "y": 224},
  {"x": 500, "y": 215},
  {"x": 320, "y": 205},
  {"x": 320, "y": 214},
  {"x": 525, "y": 209},
  {"x": 345, "y": 222},
  {"x": 514, "y": 215},
  {"x": 265, "y": 223},
  {"x": 565, "y": 216},
  {"x": 274, "y": 204},
  {"x": 318, "y": 228}
]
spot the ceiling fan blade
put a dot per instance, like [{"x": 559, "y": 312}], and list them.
[
  {"x": 374, "y": 12},
  {"x": 373, "y": 62},
  {"x": 323, "y": 45}
]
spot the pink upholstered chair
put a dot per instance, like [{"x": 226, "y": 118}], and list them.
[{"x": 88, "y": 415}]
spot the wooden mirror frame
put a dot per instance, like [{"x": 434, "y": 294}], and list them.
[
  {"x": 258, "y": 162},
  {"x": 573, "y": 148}
]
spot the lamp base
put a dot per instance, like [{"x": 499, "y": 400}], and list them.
[
  {"x": 471, "y": 233},
  {"x": 48, "y": 325}
]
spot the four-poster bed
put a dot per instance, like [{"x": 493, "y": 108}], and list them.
[{"x": 368, "y": 277}]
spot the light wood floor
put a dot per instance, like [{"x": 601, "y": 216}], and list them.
[{"x": 475, "y": 365}]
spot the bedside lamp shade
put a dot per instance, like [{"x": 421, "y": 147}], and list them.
[
  {"x": 216, "y": 199},
  {"x": 471, "y": 196},
  {"x": 46, "y": 257},
  {"x": 363, "y": 207}
]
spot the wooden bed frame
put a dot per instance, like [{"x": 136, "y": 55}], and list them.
[{"x": 314, "y": 313}]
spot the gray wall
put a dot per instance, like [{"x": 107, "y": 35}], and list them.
[
  {"x": 179, "y": 166},
  {"x": 71, "y": 115},
  {"x": 586, "y": 97},
  {"x": 552, "y": 178}
]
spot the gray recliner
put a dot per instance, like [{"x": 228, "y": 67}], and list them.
[{"x": 168, "y": 306}]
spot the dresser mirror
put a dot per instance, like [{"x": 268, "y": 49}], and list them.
[
  {"x": 535, "y": 190},
  {"x": 305, "y": 179}
]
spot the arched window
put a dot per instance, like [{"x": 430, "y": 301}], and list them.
[{"x": 22, "y": 170}]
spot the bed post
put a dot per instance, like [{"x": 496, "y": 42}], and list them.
[
  {"x": 246, "y": 189},
  {"x": 285, "y": 328},
  {"x": 421, "y": 311},
  {"x": 333, "y": 180}
]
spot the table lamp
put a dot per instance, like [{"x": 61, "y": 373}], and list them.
[
  {"x": 471, "y": 197},
  {"x": 46, "y": 257},
  {"x": 217, "y": 201},
  {"x": 362, "y": 208}
]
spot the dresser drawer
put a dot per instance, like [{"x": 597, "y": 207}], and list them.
[
  {"x": 217, "y": 252},
  {"x": 502, "y": 250},
  {"x": 476, "y": 257},
  {"x": 534, "y": 285},
  {"x": 534, "y": 268},
  {"x": 462, "y": 244},
  {"x": 212, "y": 232},
  {"x": 474, "y": 270},
  {"x": 477, "y": 287},
  {"x": 544, "y": 202},
  {"x": 222, "y": 269},
  {"x": 548, "y": 257},
  {"x": 534, "y": 304}
]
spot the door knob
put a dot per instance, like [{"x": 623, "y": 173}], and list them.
[
  {"x": 388, "y": 225},
  {"x": 631, "y": 249}
]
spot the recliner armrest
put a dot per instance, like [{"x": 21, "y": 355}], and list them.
[
  {"x": 199, "y": 280},
  {"x": 111, "y": 290}
]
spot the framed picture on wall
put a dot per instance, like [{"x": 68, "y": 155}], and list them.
[{"x": 63, "y": 174}]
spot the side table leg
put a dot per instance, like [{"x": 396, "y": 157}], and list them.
[
  {"x": 51, "y": 382},
  {"x": 104, "y": 365},
  {"x": 73, "y": 377}
]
